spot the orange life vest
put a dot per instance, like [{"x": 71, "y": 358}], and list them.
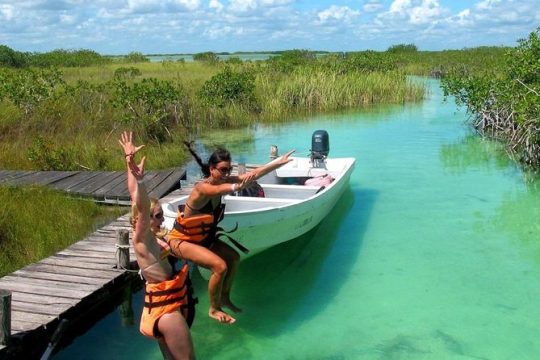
[
  {"x": 201, "y": 229},
  {"x": 165, "y": 297},
  {"x": 195, "y": 229}
]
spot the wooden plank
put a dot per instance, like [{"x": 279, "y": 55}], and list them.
[
  {"x": 73, "y": 279},
  {"x": 121, "y": 190},
  {"x": 87, "y": 178},
  {"x": 45, "y": 177},
  {"x": 100, "y": 181},
  {"x": 75, "y": 262},
  {"x": 28, "y": 317},
  {"x": 169, "y": 183},
  {"x": 67, "y": 270},
  {"x": 49, "y": 283},
  {"x": 42, "y": 299},
  {"x": 112, "y": 228},
  {"x": 43, "y": 290},
  {"x": 109, "y": 246},
  {"x": 151, "y": 184},
  {"x": 71, "y": 182},
  {"x": 112, "y": 184},
  {"x": 24, "y": 326},
  {"x": 43, "y": 309},
  {"x": 12, "y": 175},
  {"x": 105, "y": 256}
]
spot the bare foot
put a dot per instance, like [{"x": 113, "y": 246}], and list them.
[
  {"x": 221, "y": 316},
  {"x": 228, "y": 304}
]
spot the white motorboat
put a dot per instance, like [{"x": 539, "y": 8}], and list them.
[{"x": 289, "y": 208}]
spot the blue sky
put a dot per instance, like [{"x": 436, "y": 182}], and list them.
[{"x": 189, "y": 26}]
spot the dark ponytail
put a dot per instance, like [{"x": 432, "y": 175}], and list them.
[
  {"x": 204, "y": 167},
  {"x": 220, "y": 154}
]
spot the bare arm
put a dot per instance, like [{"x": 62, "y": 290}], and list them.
[
  {"x": 265, "y": 169},
  {"x": 140, "y": 198},
  {"x": 137, "y": 191},
  {"x": 126, "y": 142}
]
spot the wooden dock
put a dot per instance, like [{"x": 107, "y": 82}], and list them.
[
  {"x": 65, "y": 286},
  {"x": 102, "y": 186},
  {"x": 77, "y": 280},
  {"x": 74, "y": 281}
]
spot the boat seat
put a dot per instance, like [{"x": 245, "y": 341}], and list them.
[
  {"x": 289, "y": 191},
  {"x": 245, "y": 203}
]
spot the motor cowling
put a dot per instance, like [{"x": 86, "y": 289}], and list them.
[{"x": 320, "y": 147}]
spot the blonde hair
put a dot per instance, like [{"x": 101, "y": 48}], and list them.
[{"x": 135, "y": 215}]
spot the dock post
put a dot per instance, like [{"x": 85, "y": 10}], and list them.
[
  {"x": 273, "y": 152},
  {"x": 122, "y": 260},
  {"x": 5, "y": 317}
]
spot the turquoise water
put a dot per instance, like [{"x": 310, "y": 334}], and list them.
[{"x": 433, "y": 253}]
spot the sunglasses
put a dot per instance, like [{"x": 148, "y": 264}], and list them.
[
  {"x": 158, "y": 216},
  {"x": 224, "y": 170}
]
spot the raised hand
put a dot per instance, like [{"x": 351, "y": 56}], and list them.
[
  {"x": 126, "y": 142},
  {"x": 285, "y": 158}
]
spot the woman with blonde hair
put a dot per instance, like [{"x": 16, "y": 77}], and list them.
[{"x": 166, "y": 293}]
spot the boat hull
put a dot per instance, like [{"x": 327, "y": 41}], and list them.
[{"x": 287, "y": 212}]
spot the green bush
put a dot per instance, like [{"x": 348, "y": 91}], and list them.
[
  {"x": 229, "y": 88},
  {"x": 505, "y": 101},
  {"x": 291, "y": 59},
  {"x": 46, "y": 156},
  {"x": 151, "y": 105},
  {"x": 135, "y": 57},
  {"x": 12, "y": 58},
  {"x": 207, "y": 57},
  {"x": 402, "y": 48},
  {"x": 68, "y": 58},
  {"x": 30, "y": 87}
]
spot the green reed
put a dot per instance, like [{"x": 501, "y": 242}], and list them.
[
  {"x": 36, "y": 222},
  {"x": 76, "y": 123}
]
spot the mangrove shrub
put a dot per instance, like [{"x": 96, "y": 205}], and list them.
[
  {"x": 505, "y": 102},
  {"x": 229, "y": 87}
]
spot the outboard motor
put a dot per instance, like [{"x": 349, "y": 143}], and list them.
[{"x": 320, "y": 147}]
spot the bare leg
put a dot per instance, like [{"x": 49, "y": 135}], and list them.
[
  {"x": 204, "y": 257},
  {"x": 176, "y": 343},
  {"x": 232, "y": 259}
]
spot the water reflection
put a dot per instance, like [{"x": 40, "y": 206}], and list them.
[
  {"x": 472, "y": 151},
  {"x": 518, "y": 217}
]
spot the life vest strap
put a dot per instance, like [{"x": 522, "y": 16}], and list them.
[
  {"x": 205, "y": 228},
  {"x": 222, "y": 233},
  {"x": 155, "y": 304},
  {"x": 165, "y": 292}
]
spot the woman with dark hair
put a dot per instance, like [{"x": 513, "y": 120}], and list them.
[{"x": 194, "y": 234}]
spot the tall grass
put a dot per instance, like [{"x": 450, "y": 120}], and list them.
[
  {"x": 37, "y": 222},
  {"x": 315, "y": 91},
  {"x": 80, "y": 120}
]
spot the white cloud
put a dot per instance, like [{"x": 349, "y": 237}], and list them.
[
  {"x": 215, "y": 4},
  {"x": 67, "y": 19},
  {"x": 487, "y": 4},
  {"x": 187, "y": 4},
  {"x": 7, "y": 12},
  {"x": 416, "y": 12},
  {"x": 220, "y": 32},
  {"x": 337, "y": 13},
  {"x": 272, "y": 3},
  {"x": 242, "y": 5},
  {"x": 372, "y": 6},
  {"x": 230, "y": 25}
]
